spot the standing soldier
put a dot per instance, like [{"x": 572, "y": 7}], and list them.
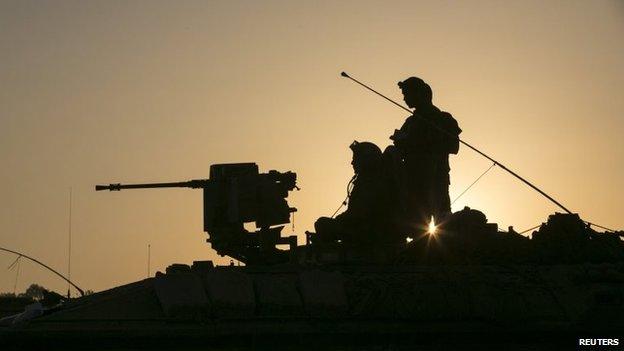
[{"x": 425, "y": 141}]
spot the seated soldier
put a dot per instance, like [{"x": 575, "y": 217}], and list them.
[{"x": 371, "y": 212}]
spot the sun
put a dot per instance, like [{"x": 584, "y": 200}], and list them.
[{"x": 432, "y": 227}]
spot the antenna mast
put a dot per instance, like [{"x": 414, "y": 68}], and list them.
[{"x": 69, "y": 234}]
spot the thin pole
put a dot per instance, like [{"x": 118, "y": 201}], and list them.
[
  {"x": 69, "y": 241},
  {"x": 149, "y": 253},
  {"x": 16, "y": 276},
  {"x": 46, "y": 266},
  {"x": 344, "y": 74}
]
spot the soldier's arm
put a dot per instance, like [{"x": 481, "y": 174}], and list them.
[
  {"x": 452, "y": 128},
  {"x": 403, "y": 133},
  {"x": 414, "y": 134}
]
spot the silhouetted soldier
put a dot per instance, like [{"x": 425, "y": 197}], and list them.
[
  {"x": 425, "y": 141},
  {"x": 371, "y": 212}
]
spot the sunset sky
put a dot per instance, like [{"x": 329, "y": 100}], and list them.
[{"x": 96, "y": 92}]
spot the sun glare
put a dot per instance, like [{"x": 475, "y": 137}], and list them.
[{"x": 432, "y": 227}]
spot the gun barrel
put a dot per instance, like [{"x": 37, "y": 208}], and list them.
[{"x": 197, "y": 183}]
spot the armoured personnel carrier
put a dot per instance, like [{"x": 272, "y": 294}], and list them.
[{"x": 467, "y": 285}]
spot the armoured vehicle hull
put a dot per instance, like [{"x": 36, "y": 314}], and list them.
[{"x": 340, "y": 307}]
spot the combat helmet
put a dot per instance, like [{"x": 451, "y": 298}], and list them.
[
  {"x": 366, "y": 156},
  {"x": 416, "y": 87}
]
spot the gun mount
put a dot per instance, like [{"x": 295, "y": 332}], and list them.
[{"x": 236, "y": 194}]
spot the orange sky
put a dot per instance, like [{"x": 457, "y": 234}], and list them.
[{"x": 107, "y": 91}]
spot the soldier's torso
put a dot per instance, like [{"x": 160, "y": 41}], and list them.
[{"x": 429, "y": 136}]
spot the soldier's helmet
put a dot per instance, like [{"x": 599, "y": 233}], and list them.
[
  {"x": 366, "y": 156},
  {"x": 416, "y": 87}
]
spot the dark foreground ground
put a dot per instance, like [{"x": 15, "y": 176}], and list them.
[{"x": 307, "y": 335}]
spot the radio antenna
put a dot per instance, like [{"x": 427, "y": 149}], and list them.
[{"x": 344, "y": 74}]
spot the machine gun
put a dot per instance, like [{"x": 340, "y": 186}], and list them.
[{"x": 236, "y": 194}]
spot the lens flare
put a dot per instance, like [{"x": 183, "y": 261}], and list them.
[{"x": 432, "y": 227}]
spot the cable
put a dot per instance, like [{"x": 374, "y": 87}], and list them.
[
  {"x": 14, "y": 262},
  {"x": 45, "y": 266},
  {"x": 11, "y": 266},
  {"x": 349, "y": 189},
  {"x": 590, "y": 223},
  {"x": 528, "y": 230},
  {"x": 473, "y": 183},
  {"x": 599, "y": 226}
]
